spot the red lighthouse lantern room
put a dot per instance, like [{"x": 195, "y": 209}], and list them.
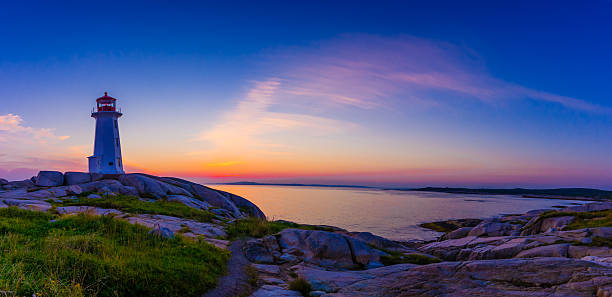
[{"x": 106, "y": 103}]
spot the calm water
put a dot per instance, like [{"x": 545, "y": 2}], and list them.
[{"x": 392, "y": 214}]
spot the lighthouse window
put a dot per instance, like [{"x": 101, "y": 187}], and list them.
[
  {"x": 116, "y": 125},
  {"x": 110, "y": 163},
  {"x": 117, "y": 140}
]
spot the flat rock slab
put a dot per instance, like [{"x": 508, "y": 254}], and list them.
[
  {"x": 175, "y": 224},
  {"x": 508, "y": 277},
  {"x": 275, "y": 291}
]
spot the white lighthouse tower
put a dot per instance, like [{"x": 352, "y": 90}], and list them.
[{"x": 107, "y": 148}]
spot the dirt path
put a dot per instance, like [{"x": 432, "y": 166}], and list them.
[{"x": 235, "y": 283}]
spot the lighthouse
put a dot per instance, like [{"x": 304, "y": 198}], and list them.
[{"x": 107, "y": 147}]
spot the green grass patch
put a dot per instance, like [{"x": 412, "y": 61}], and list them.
[
  {"x": 301, "y": 285},
  {"x": 601, "y": 241},
  {"x": 83, "y": 255},
  {"x": 132, "y": 204},
  {"x": 251, "y": 273},
  {"x": 254, "y": 227},
  {"x": 439, "y": 226},
  {"x": 582, "y": 220},
  {"x": 399, "y": 258}
]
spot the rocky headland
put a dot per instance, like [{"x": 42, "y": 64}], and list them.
[{"x": 564, "y": 252}]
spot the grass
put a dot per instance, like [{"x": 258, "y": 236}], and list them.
[
  {"x": 582, "y": 220},
  {"x": 84, "y": 255},
  {"x": 251, "y": 273},
  {"x": 254, "y": 227},
  {"x": 132, "y": 204},
  {"x": 301, "y": 285},
  {"x": 600, "y": 241},
  {"x": 184, "y": 229},
  {"x": 439, "y": 226},
  {"x": 394, "y": 258}
]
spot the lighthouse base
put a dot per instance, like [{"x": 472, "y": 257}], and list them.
[{"x": 94, "y": 167}]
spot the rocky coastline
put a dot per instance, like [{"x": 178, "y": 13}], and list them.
[{"x": 562, "y": 252}]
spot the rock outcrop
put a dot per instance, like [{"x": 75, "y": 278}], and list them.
[
  {"x": 76, "y": 178},
  {"x": 532, "y": 254},
  {"x": 53, "y": 185},
  {"x": 508, "y": 277},
  {"x": 321, "y": 248},
  {"x": 49, "y": 179}
]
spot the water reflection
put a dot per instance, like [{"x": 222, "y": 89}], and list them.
[{"x": 392, "y": 214}]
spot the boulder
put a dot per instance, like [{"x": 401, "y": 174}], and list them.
[
  {"x": 29, "y": 204},
  {"x": 94, "y": 196},
  {"x": 189, "y": 201},
  {"x": 49, "y": 179},
  {"x": 3, "y": 182},
  {"x": 74, "y": 190},
  {"x": 573, "y": 235},
  {"x": 544, "y": 225},
  {"x": 459, "y": 233},
  {"x": 150, "y": 186},
  {"x": 364, "y": 255},
  {"x": 328, "y": 249},
  {"x": 269, "y": 269},
  {"x": 76, "y": 178},
  {"x": 553, "y": 250},
  {"x": 41, "y": 194},
  {"x": 377, "y": 241},
  {"x": 491, "y": 229},
  {"x": 108, "y": 185},
  {"x": 256, "y": 252},
  {"x": 271, "y": 243},
  {"x": 245, "y": 205},
  {"x": 19, "y": 184},
  {"x": 580, "y": 251},
  {"x": 212, "y": 197},
  {"x": 505, "y": 250},
  {"x": 162, "y": 232},
  {"x": 58, "y": 191},
  {"x": 234, "y": 206}
]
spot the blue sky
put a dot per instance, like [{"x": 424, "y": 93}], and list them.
[{"x": 479, "y": 93}]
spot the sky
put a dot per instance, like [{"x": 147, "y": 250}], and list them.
[{"x": 401, "y": 93}]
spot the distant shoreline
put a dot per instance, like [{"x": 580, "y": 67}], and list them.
[
  {"x": 559, "y": 193},
  {"x": 293, "y": 185}
]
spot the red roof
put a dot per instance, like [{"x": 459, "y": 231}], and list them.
[{"x": 106, "y": 97}]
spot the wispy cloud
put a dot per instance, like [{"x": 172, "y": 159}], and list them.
[
  {"x": 368, "y": 71},
  {"x": 26, "y": 149},
  {"x": 11, "y": 129},
  {"x": 252, "y": 123}
]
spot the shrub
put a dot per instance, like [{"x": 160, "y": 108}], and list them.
[
  {"x": 84, "y": 255},
  {"x": 254, "y": 227},
  {"x": 301, "y": 285},
  {"x": 590, "y": 219}
]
